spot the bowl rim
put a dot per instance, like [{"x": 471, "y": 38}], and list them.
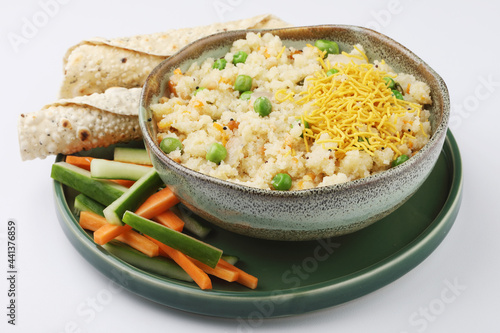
[{"x": 437, "y": 136}]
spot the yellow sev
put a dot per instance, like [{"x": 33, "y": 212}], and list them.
[{"x": 354, "y": 106}]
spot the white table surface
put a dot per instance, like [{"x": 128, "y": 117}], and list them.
[{"x": 55, "y": 285}]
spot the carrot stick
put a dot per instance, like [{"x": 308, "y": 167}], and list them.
[
  {"x": 220, "y": 271},
  {"x": 80, "y": 161},
  {"x": 140, "y": 243},
  {"x": 108, "y": 232},
  {"x": 170, "y": 220},
  {"x": 124, "y": 182},
  {"x": 92, "y": 221},
  {"x": 197, "y": 274},
  {"x": 157, "y": 203},
  {"x": 244, "y": 278}
]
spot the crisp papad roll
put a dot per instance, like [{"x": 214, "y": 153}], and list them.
[
  {"x": 95, "y": 65},
  {"x": 81, "y": 123}
]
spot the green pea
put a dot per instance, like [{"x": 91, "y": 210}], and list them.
[
  {"x": 262, "y": 106},
  {"x": 397, "y": 94},
  {"x": 246, "y": 95},
  {"x": 282, "y": 182},
  {"x": 243, "y": 83},
  {"x": 389, "y": 82},
  {"x": 219, "y": 64},
  {"x": 240, "y": 57},
  {"x": 168, "y": 145},
  {"x": 328, "y": 46},
  {"x": 216, "y": 153},
  {"x": 198, "y": 90},
  {"x": 332, "y": 71},
  {"x": 362, "y": 139},
  {"x": 400, "y": 159}
]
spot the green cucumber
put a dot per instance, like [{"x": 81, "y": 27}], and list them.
[
  {"x": 157, "y": 265},
  {"x": 85, "y": 204},
  {"x": 102, "y": 191},
  {"x": 133, "y": 197},
  {"x": 132, "y": 155},
  {"x": 186, "y": 244},
  {"x": 106, "y": 169},
  {"x": 190, "y": 222},
  {"x": 230, "y": 259}
]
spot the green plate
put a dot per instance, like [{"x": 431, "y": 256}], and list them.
[{"x": 296, "y": 277}]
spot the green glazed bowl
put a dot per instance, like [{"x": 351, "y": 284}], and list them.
[{"x": 306, "y": 214}]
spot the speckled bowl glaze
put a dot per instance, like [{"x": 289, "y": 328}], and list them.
[{"x": 305, "y": 214}]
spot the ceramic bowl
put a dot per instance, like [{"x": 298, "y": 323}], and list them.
[{"x": 305, "y": 214}]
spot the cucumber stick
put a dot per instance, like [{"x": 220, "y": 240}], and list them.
[
  {"x": 106, "y": 169},
  {"x": 190, "y": 222},
  {"x": 188, "y": 245},
  {"x": 132, "y": 155},
  {"x": 103, "y": 191},
  {"x": 85, "y": 204},
  {"x": 133, "y": 197},
  {"x": 158, "y": 265}
]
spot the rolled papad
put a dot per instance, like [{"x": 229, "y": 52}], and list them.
[
  {"x": 97, "y": 64},
  {"x": 81, "y": 123}
]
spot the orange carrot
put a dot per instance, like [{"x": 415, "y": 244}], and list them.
[
  {"x": 108, "y": 232},
  {"x": 157, "y": 203},
  {"x": 92, "y": 221},
  {"x": 197, "y": 274},
  {"x": 80, "y": 161},
  {"x": 140, "y": 243},
  {"x": 123, "y": 182},
  {"x": 170, "y": 220},
  {"x": 220, "y": 271},
  {"x": 244, "y": 278}
]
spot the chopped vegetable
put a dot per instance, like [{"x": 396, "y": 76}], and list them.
[
  {"x": 400, "y": 159},
  {"x": 216, "y": 152},
  {"x": 332, "y": 71},
  {"x": 389, "y": 82},
  {"x": 244, "y": 278},
  {"x": 158, "y": 265},
  {"x": 108, "y": 232},
  {"x": 133, "y": 197},
  {"x": 197, "y": 274},
  {"x": 157, "y": 203},
  {"x": 170, "y": 144},
  {"x": 106, "y": 169},
  {"x": 191, "y": 224},
  {"x": 262, "y": 106},
  {"x": 240, "y": 57},
  {"x": 219, "y": 64},
  {"x": 246, "y": 95},
  {"x": 397, "y": 94},
  {"x": 104, "y": 192},
  {"x": 92, "y": 221},
  {"x": 328, "y": 46},
  {"x": 170, "y": 219},
  {"x": 282, "y": 182},
  {"x": 132, "y": 155},
  {"x": 79, "y": 161},
  {"x": 243, "y": 83},
  {"x": 219, "y": 271},
  {"x": 188, "y": 245},
  {"x": 84, "y": 204}
]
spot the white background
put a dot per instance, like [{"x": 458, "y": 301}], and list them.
[{"x": 459, "y": 39}]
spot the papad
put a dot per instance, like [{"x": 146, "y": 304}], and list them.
[
  {"x": 71, "y": 125},
  {"x": 97, "y": 64}
]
